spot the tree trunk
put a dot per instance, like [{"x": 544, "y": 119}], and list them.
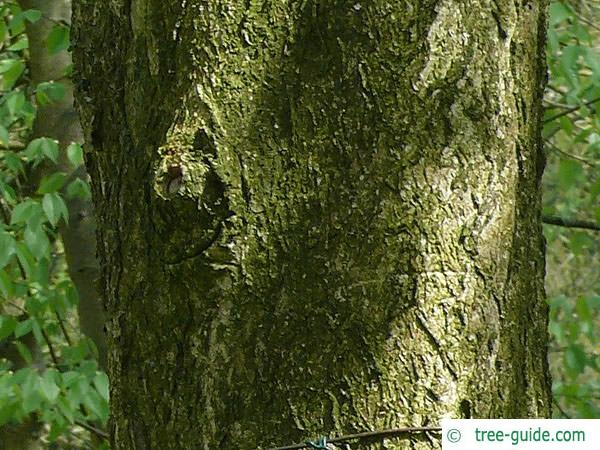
[{"x": 315, "y": 217}]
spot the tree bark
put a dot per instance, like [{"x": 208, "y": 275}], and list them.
[{"x": 315, "y": 217}]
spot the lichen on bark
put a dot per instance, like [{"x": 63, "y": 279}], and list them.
[{"x": 354, "y": 242}]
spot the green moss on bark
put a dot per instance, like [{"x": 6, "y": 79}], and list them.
[{"x": 354, "y": 242}]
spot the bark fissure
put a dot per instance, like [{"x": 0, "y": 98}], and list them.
[{"x": 373, "y": 171}]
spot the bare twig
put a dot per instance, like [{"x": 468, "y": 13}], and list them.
[
  {"x": 560, "y": 409},
  {"x": 570, "y": 223},
  {"x": 553, "y": 104},
  {"x": 24, "y": 276},
  {"x": 588, "y": 22},
  {"x": 13, "y": 145},
  {"x": 392, "y": 432},
  {"x": 50, "y": 347},
  {"x": 570, "y": 155},
  {"x": 556, "y": 89},
  {"x": 571, "y": 109},
  {"x": 62, "y": 327},
  {"x": 97, "y": 431}
]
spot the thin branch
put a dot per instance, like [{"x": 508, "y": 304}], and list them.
[
  {"x": 46, "y": 337},
  {"x": 62, "y": 327},
  {"x": 24, "y": 276},
  {"x": 560, "y": 409},
  {"x": 588, "y": 22},
  {"x": 556, "y": 89},
  {"x": 61, "y": 22},
  {"x": 570, "y": 155},
  {"x": 551, "y": 135},
  {"x": 571, "y": 109},
  {"x": 392, "y": 432},
  {"x": 552, "y": 104},
  {"x": 579, "y": 397},
  {"x": 50, "y": 346},
  {"x": 570, "y": 223},
  {"x": 97, "y": 431},
  {"x": 13, "y": 145}
]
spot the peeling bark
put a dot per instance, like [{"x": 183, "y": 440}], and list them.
[{"x": 315, "y": 217}]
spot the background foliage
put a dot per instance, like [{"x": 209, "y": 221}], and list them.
[
  {"x": 572, "y": 190},
  {"x": 48, "y": 373}
]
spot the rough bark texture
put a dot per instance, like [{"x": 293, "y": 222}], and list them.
[{"x": 315, "y": 217}]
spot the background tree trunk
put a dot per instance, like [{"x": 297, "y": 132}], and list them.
[
  {"x": 59, "y": 120},
  {"x": 315, "y": 217}
]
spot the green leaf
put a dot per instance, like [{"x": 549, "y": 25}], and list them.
[
  {"x": 25, "y": 211},
  {"x": 6, "y": 286},
  {"x": 37, "y": 332},
  {"x": 4, "y": 135},
  {"x": 88, "y": 368},
  {"x": 569, "y": 62},
  {"x": 584, "y": 313},
  {"x": 22, "y": 374},
  {"x": 567, "y": 125},
  {"x": 42, "y": 147},
  {"x": 25, "y": 258},
  {"x": 575, "y": 360},
  {"x": 78, "y": 188},
  {"x": 65, "y": 408},
  {"x": 101, "y": 383},
  {"x": 75, "y": 154},
  {"x": 55, "y": 208},
  {"x": 8, "y": 247},
  {"x": 23, "y": 328},
  {"x": 13, "y": 162},
  {"x": 8, "y": 411},
  {"x": 3, "y": 28},
  {"x": 21, "y": 44},
  {"x": 37, "y": 241},
  {"x": 569, "y": 173},
  {"x": 579, "y": 241},
  {"x": 559, "y": 12},
  {"x": 95, "y": 403},
  {"x": 8, "y": 193},
  {"x": 553, "y": 42},
  {"x": 71, "y": 295},
  {"x": 32, "y": 15},
  {"x": 48, "y": 387},
  {"x": 15, "y": 102},
  {"x": 593, "y": 62},
  {"x": 7, "y": 326},
  {"x": 50, "y": 92},
  {"x": 32, "y": 399},
  {"x": 58, "y": 425},
  {"x": 74, "y": 354},
  {"x": 58, "y": 40},
  {"x": 24, "y": 352},
  {"x": 11, "y": 70},
  {"x": 70, "y": 378},
  {"x": 594, "y": 302},
  {"x": 52, "y": 182}
]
